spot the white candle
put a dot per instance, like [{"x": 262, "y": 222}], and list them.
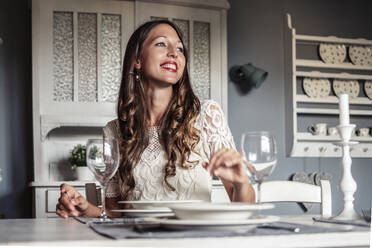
[{"x": 344, "y": 109}]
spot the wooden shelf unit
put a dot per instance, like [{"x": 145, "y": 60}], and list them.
[{"x": 304, "y": 144}]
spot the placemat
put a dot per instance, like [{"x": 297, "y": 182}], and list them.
[
  {"x": 131, "y": 230},
  {"x": 86, "y": 220},
  {"x": 343, "y": 222}
]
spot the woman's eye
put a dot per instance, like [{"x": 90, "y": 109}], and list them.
[
  {"x": 161, "y": 44},
  {"x": 180, "y": 49}
]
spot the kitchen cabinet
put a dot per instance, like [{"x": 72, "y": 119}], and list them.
[{"x": 78, "y": 48}]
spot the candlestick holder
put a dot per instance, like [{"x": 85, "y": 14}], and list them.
[{"x": 347, "y": 184}]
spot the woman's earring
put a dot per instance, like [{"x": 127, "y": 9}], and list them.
[{"x": 136, "y": 77}]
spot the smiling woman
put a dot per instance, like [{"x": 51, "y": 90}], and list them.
[{"x": 170, "y": 143}]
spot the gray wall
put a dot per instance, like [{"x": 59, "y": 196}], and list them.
[
  {"x": 15, "y": 109},
  {"x": 255, "y": 34}
]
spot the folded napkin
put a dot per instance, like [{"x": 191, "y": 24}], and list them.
[
  {"x": 151, "y": 230},
  {"x": 343, "y": 222}
]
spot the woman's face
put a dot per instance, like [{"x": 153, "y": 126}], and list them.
[{"x": 162, "y": 60}]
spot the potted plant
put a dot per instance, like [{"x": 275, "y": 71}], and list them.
[{"x": 78, "y": 163}]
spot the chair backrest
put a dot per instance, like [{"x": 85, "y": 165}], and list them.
[{"x": 290, "y": 191}]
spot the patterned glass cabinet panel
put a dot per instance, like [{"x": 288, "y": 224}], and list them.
[
  {"x": 87, "y": 57},
  {"x": 202, "y": 32},
  {"x": 78, "y": 48}
]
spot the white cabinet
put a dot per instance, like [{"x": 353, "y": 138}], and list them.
[
  {"x": 303, "y": 61},
  {"x": 78, "y": 48},
  {"x": 46, "y": 197}
]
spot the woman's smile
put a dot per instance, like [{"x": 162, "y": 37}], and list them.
[{"x": 170, "y": 66}]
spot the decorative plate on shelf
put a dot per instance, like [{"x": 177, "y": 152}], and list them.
[
  {"x": 350, "y": 87},
  {"x": 332, "y": 53},
  {"x": 317, "y": 87},
  {"x": 361, "y": 55},
  {"x": 368, "y": 89}
]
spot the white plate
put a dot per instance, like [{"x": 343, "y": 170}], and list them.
[
  {"x": 350, "y": 87},
  {"x": 157, "y": 204},
  {"x": 145, "y": 212},
  {"x": 217, "y": 211},
  {"x": 332, "y": 53},
  {"x": 361, "y": 55},
  {"x": 368, "y": 89},
  {"x": 216, "y": 224},
  {"x": 316, "y": 87}
]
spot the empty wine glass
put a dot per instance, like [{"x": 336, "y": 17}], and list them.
[
  {"x": 259, "y": 153},
  {"x": 103, "y": 161}
]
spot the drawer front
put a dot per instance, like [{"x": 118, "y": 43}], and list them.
[{"x": 52, "y": 196}]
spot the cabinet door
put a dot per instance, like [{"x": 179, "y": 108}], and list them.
[
  {"x": 78, "y": 51},
  {"x": 201, "y": 29}
]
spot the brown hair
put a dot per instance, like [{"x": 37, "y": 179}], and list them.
[{"x": 178, "y": 135}]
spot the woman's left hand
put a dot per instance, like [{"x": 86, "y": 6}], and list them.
[{"x": 227, "y": 164}]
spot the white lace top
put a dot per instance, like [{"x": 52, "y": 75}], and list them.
[{"x": 190, "y": 184}]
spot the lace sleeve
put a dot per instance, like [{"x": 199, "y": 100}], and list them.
[
  {"x": 215, "y": 130},
  {"x": 112, "y": 188}
]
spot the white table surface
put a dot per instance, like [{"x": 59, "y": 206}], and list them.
[{"x": 60, "y": 232}]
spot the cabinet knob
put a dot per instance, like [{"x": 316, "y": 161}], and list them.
[
  {"x": 336, "y": 149},
  {"x": 365, "y": 149},
  {"x": 306, "y": 149}
]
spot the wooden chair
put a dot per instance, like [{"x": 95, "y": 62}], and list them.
[{"x": 290, "y": 191}]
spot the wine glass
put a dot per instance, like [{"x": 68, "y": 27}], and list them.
[
  {"x": 103, "y": 161},
  {"x": 259, "y": 153}
]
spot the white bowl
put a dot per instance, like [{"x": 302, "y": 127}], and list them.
[{"x": 217, "y": 211}]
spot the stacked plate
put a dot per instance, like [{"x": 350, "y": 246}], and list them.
[
  {"x": 151, "y": 208},
  {"x": 200, "y": 215},
  {"x": 217, "y": 216}
]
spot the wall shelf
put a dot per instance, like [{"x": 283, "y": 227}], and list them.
[
  {"x": 301, "y": 107},
  {"x": 331, "y": 39},
  {"x": 321, "y": 64},
  {"x": 341, "y": 75},
  {"x": 324, "y": 111},
  {"x": 332, "y": 99}
]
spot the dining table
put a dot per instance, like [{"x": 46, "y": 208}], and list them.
[{"x": 71, "y": 232}]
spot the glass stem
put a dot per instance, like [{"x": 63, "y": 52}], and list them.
[
  {"x": 259, "y": 198},
  {"x": 103, "y": 196},
  {"x": 259, "y": 192}
]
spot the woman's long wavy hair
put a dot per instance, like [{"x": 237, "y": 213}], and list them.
[{"x": 178, "y": 136}]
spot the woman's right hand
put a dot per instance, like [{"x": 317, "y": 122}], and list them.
[{"x": 71, "y": 202}]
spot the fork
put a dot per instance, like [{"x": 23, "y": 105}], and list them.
[{"x": 366, "y": 215}]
